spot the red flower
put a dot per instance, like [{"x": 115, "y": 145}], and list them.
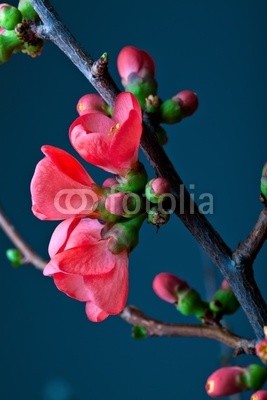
[
  {"x": 110, "y": 143},
  {"x": 133, "y": 63},
  {"x": 61, "y": 188},
  {"x": 84, "y": 268}
]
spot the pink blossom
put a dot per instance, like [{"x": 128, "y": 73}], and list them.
[
  {"x": 110, "y": 143},
  {"x": 61, "y": 188},
  {"x": 166, "y": 286},
  {"x": 188, "y": 102},
  {"x": 135, "y": 62},
  {"x": 91, "y": 103},
  {"x": 83, "y": 268},
  {"x": 225, "y": 381}
]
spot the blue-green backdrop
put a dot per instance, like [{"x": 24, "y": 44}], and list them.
[{"x": 49, "y": 351}]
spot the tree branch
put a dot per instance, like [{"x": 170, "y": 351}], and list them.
[
  {"x": 134, "y": 316},
  {"x": 247, "y": 250},
  {"x": 246, "y": 291},
  {"x": 29, "y": 255}
]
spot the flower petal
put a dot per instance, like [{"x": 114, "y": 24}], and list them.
[
  {"x": 109, "y": 291},
  {"x": 67, "y": 164},
  {"x": 94, "y": 313},
  {"x": 73, "y": 286},
  {"x": 125, "y": 102}
]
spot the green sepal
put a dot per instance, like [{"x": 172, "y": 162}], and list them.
[
  {"x": 15, "y": 257},
  {"x": 190, "y": 303},
  {"x": 254, "y": 377},
  {"x": 170, "y": 112},
  {"x": 264, "y": 186},
  {"x": 134, "y": 181},
  {"x": 142, "y": 90},
  {"x": 123, "y": 235},
  {"x": 27, "y": 10},
  {"x": 139, "y": 332},
  {"x": 157, "y": 216},
  {"x": 224, "y": 302},
  {"x": 9, "y": 44},
  {"x": 10, "y": 17}
]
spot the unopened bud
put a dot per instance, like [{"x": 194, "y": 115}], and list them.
[
  {"x": 156, "y": 189},
  {"x": 188, "y": 102},
  {"x": 27, "y": 10},
  {"x": 264, "y": 181},
  {"x": 123, "y": 204},
  {"x": 109, "y": 183},
  {"x": 9, "y": 16},
  {"x": 139, "y": 332},
  {"x": 190, "y": 303},
  {"x": 134, "y": 181},
  {"x": 254, "y": 377},
  {"x": 225, "y": 382},
  {"x": 224, "y": 302},
  {"x": 15, "y": 257},
  {"x": 178, "y": 107},
  {"x": 259, "y": 395},
  {"x": 90, "y": 103},
  {"x": 158, "y": 216},
  {"x": 167, "y": 286},
  {"x": 9, "y": 44}
]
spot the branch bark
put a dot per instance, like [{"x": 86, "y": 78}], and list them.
[
  {"x": 241, "y": 280},
  {"x": 134, "y": 316}
]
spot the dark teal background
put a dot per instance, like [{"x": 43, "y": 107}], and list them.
[{"x": 49, "y": 351}]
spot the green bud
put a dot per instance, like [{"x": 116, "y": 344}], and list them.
[
  {"x": 162, "y": 136},
  {"x": 9, "y": 44},
  {"x": 170, "y": 111},
  {"x": 254, "y": 376},
  {"x": 123, "y": 235},
  {"x": 264, "y": 186},
  {"x": 9, "y": 16},
  {"x": 15, "y": 257},
  {"x": 27, "y": 10},
  {"x": 142, "y": 90},
  {"x": 139, "y": 332},
  {"x": 157, "y": 217},
  {"x": 134, "y": 181},
  {"x": 190, "y": 303},
  {"x": 224, "y": 302}
]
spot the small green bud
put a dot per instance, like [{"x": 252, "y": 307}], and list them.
[
  {"x": 170, "y": 111},
  {"x": 157, "y": 217},
  {"x": 134, "y": 181},
  {"x": 27, "y": 10},
  {"x": 9, "y": 16},
  {"x": 162, "y": 136},
  {"x": 15, "y": 257},
  {"x": 9, "y": 44},
  {"x": 142, "y": 90},
  {"x": 139, "y": 332},
  {"x": 224, "y": 302},
  {"x": 190, "y": 303},
  {"x": 254, "y": 376},
  {"x": 123, "y": 235}
]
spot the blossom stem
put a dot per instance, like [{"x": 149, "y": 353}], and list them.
[
  {"x": 241, "y": 280},
  {"x": 28, "y": 254},
  {"x": 153, "y": 327}
]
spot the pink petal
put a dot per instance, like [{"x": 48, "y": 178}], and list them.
[
  {"x": 110, "y": 291},
  {"x": 125, "y": 102},
  {"x": 94, "y": 123},
  {"x": 125, "y": 143},
  {"x": 67, "y": 164},
  {"x": 94, "y": 313},
  {"x": 86, "y": 260},
  {"x": 73, "y": 286}
]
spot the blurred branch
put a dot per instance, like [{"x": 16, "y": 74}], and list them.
[
  {"x": 29, "y": 255},
  {"x": 247, "y": 292},
  {"x": 135, "y": 317}
]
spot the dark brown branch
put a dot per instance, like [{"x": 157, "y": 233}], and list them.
[
  {"x": 247, "y": 250},
  {"x": 247, "y": 293},
  {"x": 134, "y": 316},
  {"x": 29, "y": 255}
]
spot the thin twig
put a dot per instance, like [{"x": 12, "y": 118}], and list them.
[
  {"x": 29, "y": 255},
  {"x": 153, "y": 327}
]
